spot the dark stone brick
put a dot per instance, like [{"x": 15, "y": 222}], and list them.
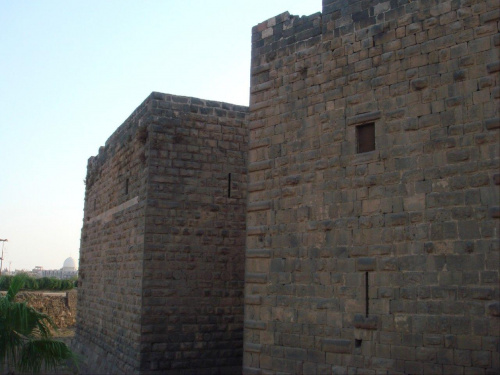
[
  {"x": 493, "y": 67},
  {"x": 363, "y": 322},
  {"x": 366, "y": 264},
  {"x": 468, "y": 230},
  {"x": 336, "y": 346},
  {"x": 419, "y": 83},
  {"x": 494, "y": 309},
  {"x": 481, "y": 359},
  {"x": 492, "y": 124}
]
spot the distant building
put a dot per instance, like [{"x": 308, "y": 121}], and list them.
[
  {"x": 67, "y": 271},
  {"x": 69, "y": 267}
]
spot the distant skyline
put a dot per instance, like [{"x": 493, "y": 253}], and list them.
[{"x": 72, "y": 72}]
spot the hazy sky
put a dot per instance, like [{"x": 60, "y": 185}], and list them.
[{"x": 72, "y": 71}]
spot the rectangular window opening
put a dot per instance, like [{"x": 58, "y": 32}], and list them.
[
  {"x": 229, "y": 185},
  {"x": 365, "y": 137},
  {"x": 126, "y": 186}
]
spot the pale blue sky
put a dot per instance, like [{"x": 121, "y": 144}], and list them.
[{"x": 72, "y": 71}]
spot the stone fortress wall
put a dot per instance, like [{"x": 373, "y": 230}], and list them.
[
  {"x": 195, "y": 236},
  {"x": 162, "y": 249},
  {"x": 108, "y": 331},
  {"x": 365, "y": 174},
  {"x": 372, "y": 228}
]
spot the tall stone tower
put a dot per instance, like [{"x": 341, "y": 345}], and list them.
[
  {"x": 370, "y": 209},
  {"x": 162, "y": 248},
  {"x": 373, "y": 208}
]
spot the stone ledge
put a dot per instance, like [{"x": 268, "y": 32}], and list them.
[
  {"x": 259, "y": 206},
  {"x": 253, "y": 348},
  {"x": 492, "y": 123},
  {"x": 108, "y": 215},
  {"x": 364, "y": 117}
]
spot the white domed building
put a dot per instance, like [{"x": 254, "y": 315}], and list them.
[
  {"x": 69, "y": 265},
  {"x": 68, "y": 270}
]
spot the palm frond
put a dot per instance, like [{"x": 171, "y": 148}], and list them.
[
  {"x": 15, "y": 286},
  {"x": 44, "y": 352},
  {"x": 25, "y": 336},
  {"x": 27, "y": 321}
]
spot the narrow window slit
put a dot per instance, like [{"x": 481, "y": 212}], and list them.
[
  {"x": 367, "y": 296},
  {"x": 126, "y": 186},
  {"x": 229, "y": 185}
]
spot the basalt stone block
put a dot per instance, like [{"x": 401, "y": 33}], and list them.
[
  {"x": 494, "y": 309},
  {"x": 419, "y": 84},
  {"x": 494, "y": 212},
  {"x": 366, "y": 264},
  {"x": 366, "y": 322},
  {"x": 493, "y": 123},
  {"x": 493, "y": 67},
  {"x": 336, "y": 346}
]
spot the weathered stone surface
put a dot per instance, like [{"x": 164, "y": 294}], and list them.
[
  {"x": 494, "y": 309},
  {"x": 418, "y": 215},
  {"x": 363, "y": 322},
  {"x": 384, "y": 261},
  {"x": 336, "y": 346},
  {"x": 162, "y": 249}
]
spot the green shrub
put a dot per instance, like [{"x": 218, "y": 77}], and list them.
[
  {"x": 44, "y": 283},
  {"x": 31, "y": 284},
  {"x": 5, "y": 282}
]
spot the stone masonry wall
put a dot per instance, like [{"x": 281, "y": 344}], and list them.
[
  {"x": 111, "y": 254},
  {"x": 162, "y": 253},
  {"x": 383, "y": 261},
  {"x": 61, "y": 307},
  {"x": 195, "y": 237}
]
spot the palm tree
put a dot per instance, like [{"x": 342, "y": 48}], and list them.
[{"x": 26, "y": 342}]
